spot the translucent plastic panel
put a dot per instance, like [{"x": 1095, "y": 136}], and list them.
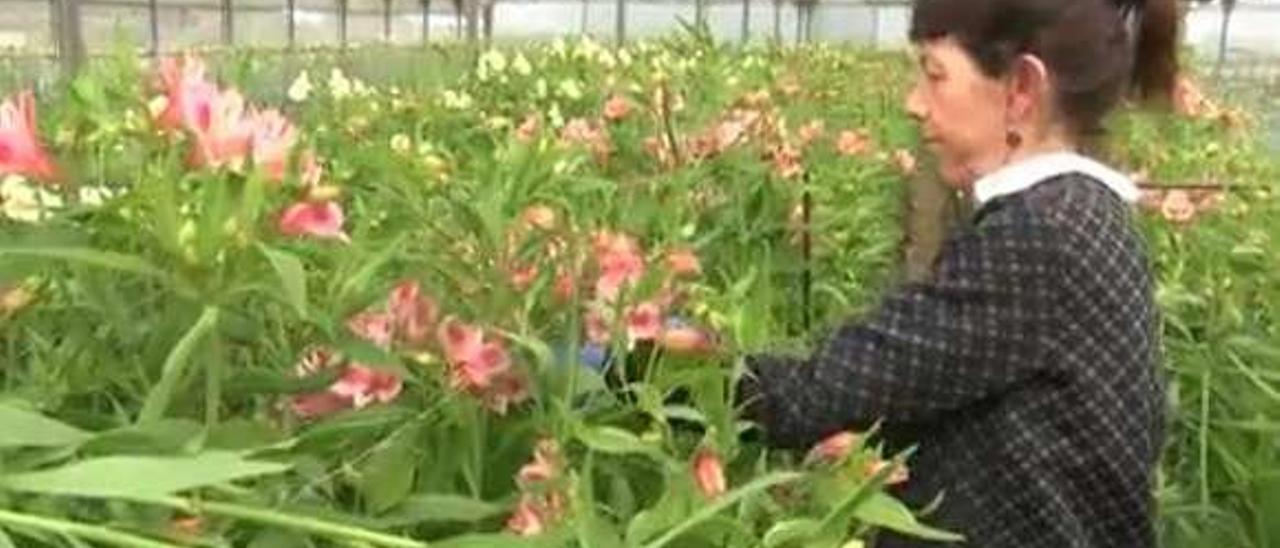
[{"x": 26, "y": 26}]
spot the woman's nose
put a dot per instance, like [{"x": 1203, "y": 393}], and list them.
[{"x": 915, "y": 104}]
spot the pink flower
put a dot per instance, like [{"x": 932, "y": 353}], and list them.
[
  {"x": 223, "y": 132},
  {"x": 414, "y": 315},
  {"x": 544, "y": 467},
  {"x": 312, "y": 171},
  {"x": 188, "y": 95},
  {"x": 363, "y": 385},
  {"x": 273, "y": 140},
  {"x": 357, "y": 387},
  {"x": 834, "y": 449},
  {"x": 528, "y": 519},
  {"x": 620, "y": 262},
  {"x": 644, "y": 322},
  {"x": 708, "y": 473},
  {"x": 581, "y": 132},
  {"x": 523, "y": 276},
  {"x": 474, "y": 363},
  {"x": 616, "y": 108},
  {"x": 597, "y": 324},
  {"x": 372, "y": 327},
  {"x": 321, "y": 220},
  {"x": 20, "y": 149},
  {"x": 505, "y": 389}
]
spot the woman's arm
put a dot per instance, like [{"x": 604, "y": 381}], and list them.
[{"x": 973, "y": 332}]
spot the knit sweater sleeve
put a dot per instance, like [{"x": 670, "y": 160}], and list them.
[{"x": 973, "y": 332}]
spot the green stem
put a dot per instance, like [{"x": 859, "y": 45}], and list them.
[
  {"x": 1205, "y": 394},
  {"x": 89, "y": 532},
  {"x": 290, "y": 521},
  {"x": 213, "y": 385}
]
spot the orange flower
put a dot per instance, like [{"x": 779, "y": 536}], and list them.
[
  {"x": 786, "y": 161},
  {"x": 528, "y": 129},
  {"x": 853, "y": 143},
  {"x": 545, "y": 466},
  {"x": 616, "y": 108},
  {"x": 683, "y": 262},
  {"x": 834, "y": 449},
  {"x": 1177, "y": 206},
  {"x": 529, "y": 517},
  {"x": 708, "y": 473},
  {"x": 539, "y": 216},
  {"x": 811, "y": 132},
  {"x": 683, "y": 339},
  {"x": 20, "y": 149},
  {"x": 522, "y": 277},
  {"x": 644, "y": 322},
  {"x": 620, "y": 262}
]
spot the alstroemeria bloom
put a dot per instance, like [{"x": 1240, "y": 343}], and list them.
[
  {"x": 372, "y": 327},
  {"x": 413, "y": 314},
  {"x": 834, "y": 449},
  {"x": 528, "y": 129},
  {"x": 853, "y": 143},
  {"x": 528, "y": 519},
  {"x": 273, "y": 140},
  {"x": 223, "y": 132},
  {"x": 322, "y": 220},
  {"x": 356, "y": 388},
  {"x": 811, "y": 132},
  {"x": 20, "y": 149},
  {"x": 364, "y": 385},
  {"x": 905, "y": 160},
  {"x": 620, "y": 261},
  {"x": 544, "y": 467},
  {"x": 786, "y": 161},
  {"x": 644, "y": 322},
  {"x": 616, "y": 108},
  {"x": 188, "y": 95},
  {"x": 683, "y": 262},
  {"x": 474, "y": 363},
  {"x": 681, "y": 338},
  {"x": 708, "y": 473}
]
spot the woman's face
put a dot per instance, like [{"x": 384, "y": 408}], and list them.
[{"x": 962, "y": 113}]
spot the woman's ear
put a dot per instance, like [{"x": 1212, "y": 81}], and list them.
[{"x": 1028, "y": 88}]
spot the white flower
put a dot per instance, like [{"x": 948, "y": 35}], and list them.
[
  {"x": 95, "y": 196},
  {"x": 624, "y": 57},
  {"x": 339, "y": 85},
  {"x": 587, "y": 48},
  {"x": 540, "y": 88},
  {"x": 456, "y": 100},
  {"x": 570, "y": 89},
  {"x": 300, "y": 89},
  {"x": 607, "y": 59},
  {"x": 559, "y": 48},
  {"x": 21, "y": 201},
  {"x": 157, "y": 105},
  {"x": 554, "y": 116},
  {"x": 491, "y": 62},
  {"x": 400, "y": 143},
  {"x": 521, "y": 65}
]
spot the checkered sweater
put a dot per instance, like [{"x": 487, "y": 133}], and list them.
[{"x": 1025, "y": 370}]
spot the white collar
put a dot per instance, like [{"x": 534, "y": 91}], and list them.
[{"x": 1028, "y": 172}]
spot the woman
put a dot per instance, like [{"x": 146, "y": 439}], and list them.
[{"x": 1026, "y": 368}]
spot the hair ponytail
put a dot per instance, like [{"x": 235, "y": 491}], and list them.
[{"x": 1155, "y": 61}]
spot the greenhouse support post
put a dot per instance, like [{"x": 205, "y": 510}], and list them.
[
  {"x": 386, "y": 21},
  {"x": 343, "y": 6},
  {"x": 68, "y": 36},
  {"x": 153, "y": 18},
  {"x": 228, "y": 24},
  {"x": 620, "y": 22},
  {"x": 291, "y": 8},
  {"x": 746, "y": 21},
  {"x": 426, "y": 21}
]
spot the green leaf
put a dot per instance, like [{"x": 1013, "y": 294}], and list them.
[
  {"x": 595, "y": 532},
  {"x": 275, "y": 538},
  {"x": 175, "y": 366},
  {"x": 240, "y": 434},
  {"x": 792, "y": 531},
  {"x": 387, "y": 477},
  {"x": 609, "y": 439},
  {"x": 5, "y": 541},
  {"x": 293, "y": 277},
  {"x": 163, "y": 436},
  {"x": 139, "y": 478},
  {"x": 724, "y": 502},
  {"x": 92, "y": 257},
  {"x": 23, "y": 428},
  {"x": 441, "y": 508},
  {"x": 885, "y": 511},
  {"x": 492, "y": 540}
]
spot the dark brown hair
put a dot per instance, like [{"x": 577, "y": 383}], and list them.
[{"x": 1086, "y": 46}]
